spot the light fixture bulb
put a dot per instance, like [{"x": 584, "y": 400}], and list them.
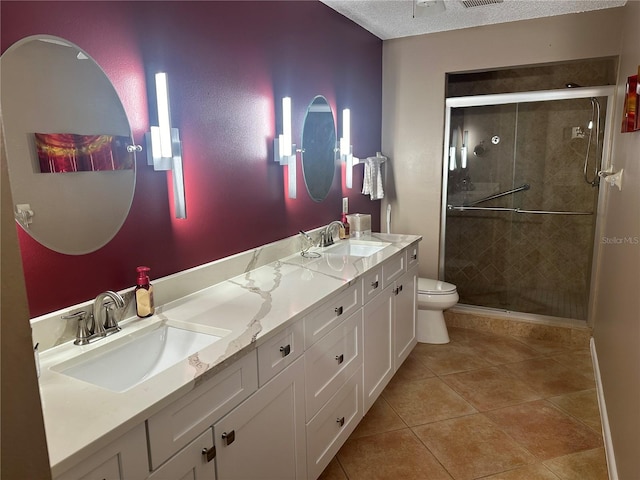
[
  {"x": 345, "y": 141},
  {"x": 164, "y": 122},
  {"x": 285, "y": 146}
]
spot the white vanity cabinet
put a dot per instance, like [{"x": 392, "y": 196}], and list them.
[
  {"x": 389, "y": 323},
  {"x": 193, "y": 462},
  {"x": 378, "y": 338},
  {"x": 405, "y": 310},
  {"x": 264, "y": 437},
  {"x": 123, "y": 459}
]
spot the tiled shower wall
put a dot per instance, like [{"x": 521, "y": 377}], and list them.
[{"x": 537, "y": 264}]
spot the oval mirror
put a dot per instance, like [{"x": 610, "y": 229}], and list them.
[
  {"x": 67, "y": 141},
  {"x": 319, "y": 148}
]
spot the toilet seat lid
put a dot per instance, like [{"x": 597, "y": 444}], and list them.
[{"x": 435, "y": 287}]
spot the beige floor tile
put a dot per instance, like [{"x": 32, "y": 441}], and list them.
[
  {"x": 472, "y": 447},
  {"x": 530, "y": 472},
  {"x": 544, "y": 430},
  {"x": 412, "y": 369},
  {"x": 449, "y": 358},
  {"x": 425, "y": 401},
  {"x": 577, "y": 360},
  {"x": 581, "y": 405},
  {"x": 390, "y": 456},
  {"x": 589, "y": 465},
  {"x": 380, "y": 418},
  {"x": 333, "y": 471},
  {"x": 545, "y": 347},
  {"x": 490, "y": 388},
  {"x": 499, "y": 349},
  {"x": 548, "y": 377}
]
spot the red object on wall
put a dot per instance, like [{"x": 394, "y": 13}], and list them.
[
  {"x": 631, "y": 98},
  {"x": 228, "y": 63}
]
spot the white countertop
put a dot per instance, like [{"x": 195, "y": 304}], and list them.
[{"x": 80, "y": 418}]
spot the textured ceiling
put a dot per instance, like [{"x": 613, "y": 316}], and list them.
[{"x": 395, "y": 18}]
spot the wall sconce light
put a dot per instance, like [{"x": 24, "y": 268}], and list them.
[
  {"x": 284, "y": 151},
  {"x": 346, "y": 149},
  {"x": 164, "y": 150}
]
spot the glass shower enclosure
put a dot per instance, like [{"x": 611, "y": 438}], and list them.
[{"x": 520, "y": 198}]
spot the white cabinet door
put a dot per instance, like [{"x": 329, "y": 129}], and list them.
[
  {"x": 405, "y": 300},
  {"x": 378, "y": 341},
  {"x": 264, "y": 437},
  {"x": 123, "y": 459},
  {"x": 193, "y": 462}
]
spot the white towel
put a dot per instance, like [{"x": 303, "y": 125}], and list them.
[{"x": 372, "y": 182}]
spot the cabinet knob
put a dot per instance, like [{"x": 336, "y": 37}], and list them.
[
  {"x": 340, "y": 421},
  {"x": 229, "y": 437},
  {"x": 209, "y": 453},
  {"x": 286, "y": 350},
  {"x": 338, "y": 310},
  {"x": 375, "y": 284},
  {"x": 340, "y": 358},
  {"x": 414, "y": 256}
]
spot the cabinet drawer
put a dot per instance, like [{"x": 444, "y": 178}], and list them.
[
  {"x": 371, "y": 284},
  {"x": 393, "y": 268},
  {"x": 412, "y": 255},
  {"x": 192, "y": 462},
  {"x": 330, "y": 362},
  {"x": 179, "y": 423},
  {"x": 280, "y": 351},
  {"x": 331, "y": 427},
  {"x": 123, "y": 459},
  {"x": 329, "y": 314}
]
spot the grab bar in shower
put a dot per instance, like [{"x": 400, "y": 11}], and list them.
[
  {"x": 522, "y": 187},
  {"x": 462, "y": 208}
]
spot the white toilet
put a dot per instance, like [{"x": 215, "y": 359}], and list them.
[{"x": 434, "y": 296}]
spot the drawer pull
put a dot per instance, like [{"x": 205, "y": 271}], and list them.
[
  {"x": 229, "y": 438},
  {"x": 338, "y": 310},
  {"x": 210, "y": 453},
  {"x": 375, "y": 284},
  {"x": 340, "y": 421},
  {"x": 340, "y": 358},
  {"x": 414, "y": 256},
  {"x": 286, "y": 350},
  {"x": 398, "y": 290}
]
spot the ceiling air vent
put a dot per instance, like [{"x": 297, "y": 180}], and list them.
[{"x": 479, "y": 3}]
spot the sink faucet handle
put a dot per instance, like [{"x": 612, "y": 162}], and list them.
[
  {"x": 83, "y": 333},
  {"x": 110, "y": 323}
]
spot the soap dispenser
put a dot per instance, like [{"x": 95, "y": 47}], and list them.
[
  {"x": 144, "y": 293},
  {"x": 345, "y": 230}
]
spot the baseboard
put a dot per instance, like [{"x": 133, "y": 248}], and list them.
[{"x": 606, "y": 431}]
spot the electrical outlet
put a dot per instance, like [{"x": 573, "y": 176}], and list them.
[{"x": 345, "y": 205}]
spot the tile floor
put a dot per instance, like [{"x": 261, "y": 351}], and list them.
[{"x": 483, "y": 406}]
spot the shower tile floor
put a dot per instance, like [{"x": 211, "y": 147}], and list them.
[{"x": 483, "y": 406}]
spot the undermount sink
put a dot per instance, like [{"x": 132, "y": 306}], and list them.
[
  {"x": 355, "y": 248},
  {"x": 121, "y": 365}
]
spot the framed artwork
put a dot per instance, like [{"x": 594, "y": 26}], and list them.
[{"x": 68, "y": 152}]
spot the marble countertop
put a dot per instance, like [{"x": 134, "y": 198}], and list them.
[{"x": 80, "y": 418}]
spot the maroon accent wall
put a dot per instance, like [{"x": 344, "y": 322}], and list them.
[{"x": 229, "y": 64}]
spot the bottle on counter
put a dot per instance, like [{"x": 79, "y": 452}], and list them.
[
  {"x": 144, "y": 293},
  {"x": 345, "y": 227}
]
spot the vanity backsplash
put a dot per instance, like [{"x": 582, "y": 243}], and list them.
[{"x": 51, "y": 330}]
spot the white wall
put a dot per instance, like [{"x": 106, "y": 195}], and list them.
[
  {"x": 413, "y": 91},
  {"x": 617, "y": 318}
]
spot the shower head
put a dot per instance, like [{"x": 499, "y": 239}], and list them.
[{"x": 572, "y": 85}]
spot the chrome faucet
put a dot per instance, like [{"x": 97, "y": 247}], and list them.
[
  {"x": 102, "y": 326},
  {"x": 326, "y": 238},
  {"x": 94, "y": 326}
]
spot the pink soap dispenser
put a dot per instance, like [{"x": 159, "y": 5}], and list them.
[{"x": 144, "y": 293}]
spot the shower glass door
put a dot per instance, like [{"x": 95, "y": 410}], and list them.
[{"x": 519, "y": 214}]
